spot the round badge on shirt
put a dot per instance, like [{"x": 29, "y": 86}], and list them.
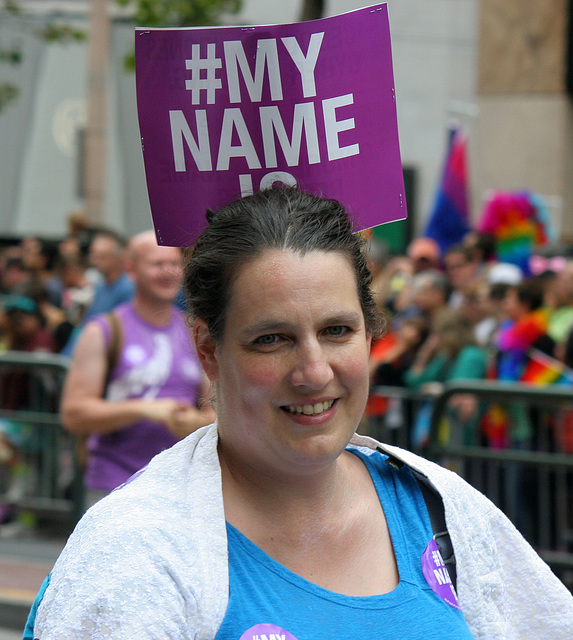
[
  {"x": 266, "y": 631},
  {"x": 437, "y": 575}
]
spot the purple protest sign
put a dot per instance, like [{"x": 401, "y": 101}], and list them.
[{"x": 226, "y": 111}]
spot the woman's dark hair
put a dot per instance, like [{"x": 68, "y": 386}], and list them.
[{"x": 278, "y": 218}]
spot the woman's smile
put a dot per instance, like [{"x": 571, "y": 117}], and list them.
[{"x": 310, "y": 409}]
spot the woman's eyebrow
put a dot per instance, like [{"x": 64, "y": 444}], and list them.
[
  {"x": 265, "y": 326},
  {"x": 350, "y": 317},
  {"x": 276, "y": 326}
]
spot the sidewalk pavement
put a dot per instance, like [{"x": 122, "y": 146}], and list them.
[{"x": 24, "y": 563}]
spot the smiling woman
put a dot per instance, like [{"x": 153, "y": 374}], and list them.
[{"x": 278, "y": 521}]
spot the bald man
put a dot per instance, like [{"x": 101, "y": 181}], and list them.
[{"x": 152, "y": 397}]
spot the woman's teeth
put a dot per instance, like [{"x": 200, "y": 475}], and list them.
[{"x": 310, "y": 409}]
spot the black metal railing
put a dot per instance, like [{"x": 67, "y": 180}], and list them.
[
  {"x": 40, "y": 473},
  {"x": 530, "y": 480}
]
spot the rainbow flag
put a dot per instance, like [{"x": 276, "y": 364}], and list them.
[
  {"x": 542, "y": 369},
  {"x": 449, "y": 219}
]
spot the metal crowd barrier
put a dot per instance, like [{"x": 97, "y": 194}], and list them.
[
  {"x": 39, "y": 470},
  {"x": 532, "y": 482}
]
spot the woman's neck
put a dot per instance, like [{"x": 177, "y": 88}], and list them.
[{"x": 254, "y": 498}]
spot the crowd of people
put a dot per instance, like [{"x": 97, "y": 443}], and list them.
[
  {"x": 48, "y": 288},
  {"x": 464, "y": 315}
]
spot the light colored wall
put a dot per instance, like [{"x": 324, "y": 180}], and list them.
[
  {"x": 47, "y": 176},
  {"x": 522, "y": 143},
  {"x": 524, "y": 129},
  {"x": 522, "y": 46},
  {"x": 434, "y": 50}
]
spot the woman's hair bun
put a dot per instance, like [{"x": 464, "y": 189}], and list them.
[{"x": 210, "y": 215}]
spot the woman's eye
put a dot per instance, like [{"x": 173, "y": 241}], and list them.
[
  {"x": 337, "y": 331},
  {"x": 269, "y": 339}
]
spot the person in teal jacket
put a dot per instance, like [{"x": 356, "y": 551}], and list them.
[{"x": 449, "y": 353}]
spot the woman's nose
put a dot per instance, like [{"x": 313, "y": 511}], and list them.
[{"x": 312, "y": 368}]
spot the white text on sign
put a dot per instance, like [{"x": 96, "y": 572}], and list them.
[{"x": 212, "y": 141}]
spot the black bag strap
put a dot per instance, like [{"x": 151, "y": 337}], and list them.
[
  {"x": 435, "y": 506},
  {"x": 112, "y": 359},
  {"x": 437, "y": 514},
  {"x": 114, "y": 347}
]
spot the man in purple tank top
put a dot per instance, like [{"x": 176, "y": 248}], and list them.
[{"x": 151, "y": 398}]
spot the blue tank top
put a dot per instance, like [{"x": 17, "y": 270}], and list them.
[{"x": 269, "y": 602}]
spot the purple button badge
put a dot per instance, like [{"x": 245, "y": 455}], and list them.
[
  {"x": 437, "y": 576},
  {"x": 266, "y": 631}
]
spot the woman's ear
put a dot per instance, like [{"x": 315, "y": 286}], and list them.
[{"x": 205, "y": 346}]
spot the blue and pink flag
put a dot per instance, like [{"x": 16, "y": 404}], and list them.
[
  {"x": 226, "y": 111},
  {"x": 449, "y": 219}
]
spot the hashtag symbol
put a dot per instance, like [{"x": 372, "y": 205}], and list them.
[
  {"x": 209, "y": 83},
  {"x": 437, "y": 558}
]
